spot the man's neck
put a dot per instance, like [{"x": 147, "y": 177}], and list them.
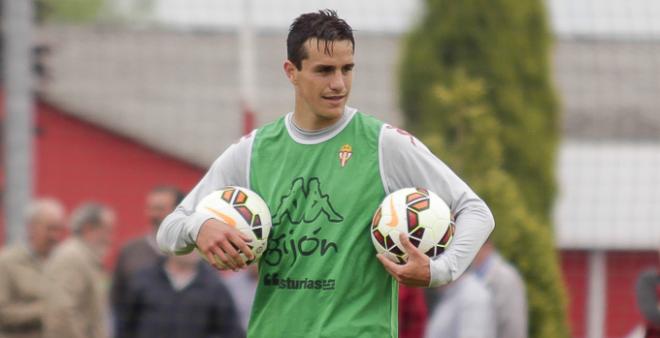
[
  {"x": 308, "y": 121},
  {"x": 313, "y": 124},
  {"x": 180, "y": 275}
]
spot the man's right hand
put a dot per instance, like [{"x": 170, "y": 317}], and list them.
[{"x": 217, "y": 239}]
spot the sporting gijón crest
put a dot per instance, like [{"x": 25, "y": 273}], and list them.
[{"x": 305, "y": 203}]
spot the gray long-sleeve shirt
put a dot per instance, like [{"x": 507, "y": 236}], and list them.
[
  {"x": 404, "y": 162},
  {"x": 508, "y": 295}
]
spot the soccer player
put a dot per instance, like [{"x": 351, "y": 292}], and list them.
[{"x": 323, "y": 169}]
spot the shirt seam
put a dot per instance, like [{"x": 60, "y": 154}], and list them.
[
  {"x": 381, "y": 166},
  {"x": 249, "y": 159}
]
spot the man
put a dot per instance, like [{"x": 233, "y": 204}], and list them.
[
  {"x": 323, "y": 169},
  {"x": 507, "y": 290},
  {"x": 464, "y": 310},
  {"x": 178, "y": 297},
  {"x": 21, "y": 271},
  {"x": 142, "y": 252},
  {"x": 648, "y": 300},
  {"x": 76, "y": 298}
]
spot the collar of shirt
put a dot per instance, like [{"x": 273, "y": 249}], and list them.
[{"x": 317, "y": 136}]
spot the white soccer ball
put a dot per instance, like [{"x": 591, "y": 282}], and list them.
[
  {"x": 244, "y": 210},
  {"x": 421, "y": 214}
]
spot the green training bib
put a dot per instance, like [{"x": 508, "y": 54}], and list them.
[{"x": 319, "y": 276}]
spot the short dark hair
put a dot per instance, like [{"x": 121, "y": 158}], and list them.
[
  {"x": 88, "y": 214},
  {"x": 174, "y": 191},
  {"x": 323, "y": 25}
]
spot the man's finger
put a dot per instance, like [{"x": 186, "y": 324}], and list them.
[
  {"x": 223, "y": 258},
  {"x": 242, "y": 246},
  {"x": 390, "y": 266},
  {"x": 410, "y": 249},
  {"x": 232, "y": 254},
  {"x": 246, "y": 238},
  {"x": 211, "y": 259}
]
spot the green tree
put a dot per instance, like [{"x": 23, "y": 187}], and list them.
[
  {"x": 73, "y": 11},
  {"x": 462, "y": 129},
  {"x": 506, "y": 43},
  {"x": 475, "y": 85}
]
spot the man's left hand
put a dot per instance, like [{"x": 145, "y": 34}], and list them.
[{"x": 416, "y": 271}]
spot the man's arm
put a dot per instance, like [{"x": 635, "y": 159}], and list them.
[
  {"x": 16, "y": 313},
  {"x": 406, "y": 162},
  {"x": 184, "y": 229}
]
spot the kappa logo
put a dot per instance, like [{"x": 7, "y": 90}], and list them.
[{"x": 305, "y": 203}]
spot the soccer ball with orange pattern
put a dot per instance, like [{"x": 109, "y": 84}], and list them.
[
  {"x": 242, "y": 209},
  {"x": 418, "y": 212}
]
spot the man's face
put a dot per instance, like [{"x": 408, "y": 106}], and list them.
[
  {"x": 159, "y": 205},
  {"x": 324, "y": 81},
  {"x": 47, "y": 230},
  {"x": 101, "y": 236}
]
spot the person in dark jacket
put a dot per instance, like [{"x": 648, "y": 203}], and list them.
[
  {"x": 648, "y": 299},
  {"x": 179, "y": 297},
  {"x": 142, "y": 252}
]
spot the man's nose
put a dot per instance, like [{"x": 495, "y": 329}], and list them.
[{"x": 337, "y": 82}]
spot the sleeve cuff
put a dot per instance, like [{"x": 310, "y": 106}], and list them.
[
  {"x": 196, "y": 220},
  {"x": 440, "y": 272}
]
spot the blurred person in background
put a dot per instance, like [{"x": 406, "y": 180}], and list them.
[
  {"x": 413, "y": 312},
  {"x": 76, "y": 296},
  {"x": 464, "y": 310},
  {"x": 21, "y": 271},
  {"x": 178, "y": 297},
  {"x": 142, "y": 252},
  {"x": 243, "y": 286},
  {"x": 507, "y": 290},
  {"x": 648, "y": 300}
]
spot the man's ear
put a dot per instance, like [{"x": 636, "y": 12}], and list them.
[{"x": 291, "y": 72}]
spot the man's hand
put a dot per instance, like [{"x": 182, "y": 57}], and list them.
[
  {"x": 416, "y": 271},
  {"x": 219, "y": 239}
]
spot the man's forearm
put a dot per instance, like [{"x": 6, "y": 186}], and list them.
[{"x": 472, "y": 229}]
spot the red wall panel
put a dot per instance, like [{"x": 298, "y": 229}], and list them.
[
  {"x": 623, "y": 268},
  {"x": 574, "y": 268},
  {"x": 76, "y": 161}
]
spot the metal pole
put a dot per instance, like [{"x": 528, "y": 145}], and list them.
[
  {"x": 17, "y": 69},
  {"x": 596, "y": 294},
  {"x": 247, "y": 65}
]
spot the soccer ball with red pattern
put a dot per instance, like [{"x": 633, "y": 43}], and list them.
[
  {"x": 242, "y": 209},
  {"x": 421, "y": 214}
]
